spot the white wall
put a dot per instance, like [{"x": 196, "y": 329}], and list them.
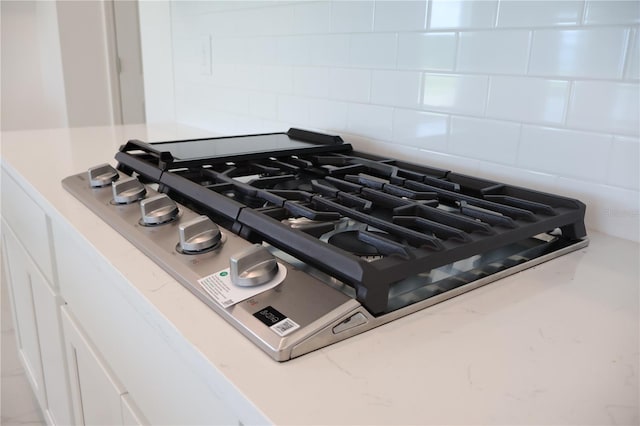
[
  {"x": 539, "y": 93},
  {"x": 31, "y": 70}
]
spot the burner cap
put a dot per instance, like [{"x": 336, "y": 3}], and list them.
[{"x": 294, "y": 184}]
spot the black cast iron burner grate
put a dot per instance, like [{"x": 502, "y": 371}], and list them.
[{"x": 417, "y": 218}]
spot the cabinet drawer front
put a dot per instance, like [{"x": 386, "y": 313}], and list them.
[{"x": 29, "y": 222}]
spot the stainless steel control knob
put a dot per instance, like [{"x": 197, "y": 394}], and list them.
[
  {"x": 198, "y": 234},
  {"x": 126, "y": 191},
  {"x": 158, "y": 209},
  {"x": 102, "y": 175},
  {"x": 253, "y": 266}
]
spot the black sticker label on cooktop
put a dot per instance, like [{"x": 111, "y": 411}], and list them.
[
  {"x": 277, "y": 322},
  {"x": 269, "y": 316}
]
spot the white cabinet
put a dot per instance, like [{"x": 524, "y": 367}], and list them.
[
  {"x": 37, "y": 322},
  {"x": 98, "y": 396}
]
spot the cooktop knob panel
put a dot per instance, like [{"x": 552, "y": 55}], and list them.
[
  {"x": 102, "y": 175},
  {"x": 253, "y": 266},
  {"x": 157, "y": 210},
  {"x": 199, "y": 234},
  {"x": 127, "y": 191}
]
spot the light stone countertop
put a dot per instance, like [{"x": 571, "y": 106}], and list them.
[{"x": 555, "y": 344}]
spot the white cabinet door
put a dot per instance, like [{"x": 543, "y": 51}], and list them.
[
  {"x": 54, "y": 365},
  {"x": 96, "y": 393},
  {"x": 37, "y": 316},
  {"x": 22, "y": 277},
  {"x": 131, "y": 415}
]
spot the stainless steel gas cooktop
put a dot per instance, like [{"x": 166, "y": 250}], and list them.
[{"x": 299, "y": 241}]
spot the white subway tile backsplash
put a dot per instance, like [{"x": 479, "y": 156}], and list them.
[
  {"x": 312, "y": 18},
  {"x": 569, "y": 153},
  {"x": 624, "y": 163},
  {"x": 612, "y": 12},
  {"x": 373, "y": 50},
  {"x": 293, "y": 50},
  {"x": 457, "y": 93},
  {"x": 263, "y": 105},
  {"x": 495, "y": 52},
  {"x": 517, "y": 176},
  {"x": 420, "y": 129},
  {"x": 228, "y": 50},
  {"x": 462, "y": 14},
  {"x": 495, "y": 141},
  {"x": 328, "y": 115},
  {"x": 535, "y": 13},
  {"x": 396, "y": 88},
  {"x": 277, "y": 78},
  {"x": 528, "y": 99},
  {"x": 400, "y": 15},
  {"x": 370, "y": 120},
  {"x": 330, "y": 50},
  {"x": 605, "y": 106},
  {"x": 352, "y": 16},
  {"x": 594, "y": 52},
  {"x": 427, "y": 51},
  {"x": 311, "y": 81},
  {"x": 261, "y": 50},
  {"x": 293, "y": 109},
  {"x": 349, "y": 84}
]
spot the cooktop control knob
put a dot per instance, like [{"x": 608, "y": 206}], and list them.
[
  {"x": 102, "y": 175},
  {"x": 157, "y": 210},
  {"x": 126, "y": 191},
  {"x": 253, "y": 266},
  {"x": 198, "y": 234}
]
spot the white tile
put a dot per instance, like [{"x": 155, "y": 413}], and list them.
[
  {"x": 517, "y": 176},
  {"x": 456, "y": 163},
  {"x": 483, "y": 139},
  {"x": 632, "y": 71},
  {"x": 223, "y": 74},
  {"x": 605, "y": 106},
  {"x": 567, "y": 153},
  {"x": 373, "y": 50},
  {"x": 428, "y": 51},
  {"x": 277, "y": 78},
  {"x": 464, "y": 94},
  {"x": 370, "y": 120},
  {"x": 293, "y": 109},
  {"x": 624, "y": 163},
  {"x": 609, "y": 209},
  {"x": 400, "y": 15},
  {"x": 248, "y": 77},
  {"x": 533, "y": 13},
  {"x": 311, "y": 81},
  {"x": 330, "y": 50},
  {"x": 264, "y": 105},
  {"x": 294, "y": 50},
  {"x": 312, "y": 18},
  {"x": 278, "y": 19},
  {"x": 500, "y": 52},
  {"x": 349, "y": 84},
  {"x": 228, "y": 99},
  {"x": 420, "y": 129},
  {"x": 349, "y": 16},
  {"x": 261, "y": 50},
  {"x": 527, "y": 99},
  {"x": 227, "y": 50},
  {"x": 462, "y": 14},
  {"x": 327, "y": 115},
  {"x": 612, "y": 12},
  {"x": 396, "y": 88},
  {"x": 593, "y": 52}
]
